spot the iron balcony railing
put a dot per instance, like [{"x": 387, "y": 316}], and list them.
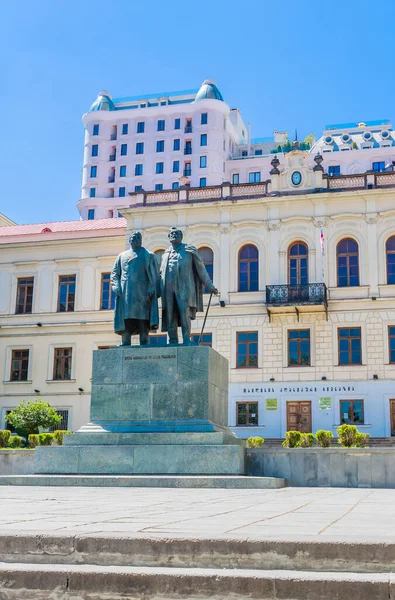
[
  {"x": 187, "y": 150},
  {"x": 294, "y": 295},
  {"x": 112, "y": 157},
  {"x": 187, "y": 172},
  {"x": 188, "y": 129},
  {"x": 113, "y": 136},
  {"x": 111, "y": 179}
]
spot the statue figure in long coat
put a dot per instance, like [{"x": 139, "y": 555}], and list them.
[
  {"x": 135, "y": 281},
  {"x": 183, "y": 279}
]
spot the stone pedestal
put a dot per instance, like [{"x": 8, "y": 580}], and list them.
[{"x": 153, "y": 411}]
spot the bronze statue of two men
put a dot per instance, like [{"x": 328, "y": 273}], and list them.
[{"x": 138, "y": 282}]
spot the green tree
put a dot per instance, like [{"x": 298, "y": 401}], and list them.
[
  {"x": 27, "y": 417},
  {"x": 309, "y": 139}
]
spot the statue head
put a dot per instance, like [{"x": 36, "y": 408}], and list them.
[
  {"x": 175, "y": 236},
  {"x": 136, "y": 239}
]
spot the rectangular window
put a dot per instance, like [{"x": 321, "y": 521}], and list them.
[
  {"x": 160, "y": 146},
  {"x": 138, "y": 188},
  {"x": 24, "y": 296},
  {"x": 140, "y": 127},
  {"x": 254, "y": 177},
  {"x": 235, "y": 178},
  {"x": 177, "y": 123},
  {"x": 19, "y": 365},
  {"x": 140, "y": 148},
  {"x": 157, "y": 340},
  {"x": 159, "y": 168},
  {"x": 349, "y": 345},
  {"x": 334, "y": 170},
  {"x": 188, "y": 147},
  {"x": 298, "y": 347},
  {"x": 203, "y": 182},
  {"x": 352, "y": 412},
  {"x": 247, "y": 413},
  {"x": 247, "y": 349},
  {"x": 188, "y": 126},
  {"x": 124, "y": 149},
  {"x": 95, "y": 150},
  {"x": 258, "y": 152},
  {"x": 159, "y": 187},
  {"x": 203, "y": 139},
  {"x": 391, "y": 343},
  {"x": 64, "y": 423},
  {"x": 187, "y": 169},
  {"x": 125, "y": 129},
  {"x": 122, "y": 171},
  {"x": 94, "y": 171},
  {"x": 176, "y": 144},
  {"x": 96, "y": 129},
  {"x": 203, "y": 162},
  {"x": 138, "y": 169},
  {"x": 92, "y": 193},
  {"x": 175, "y": 185},
  {"x": 66, "y": 293},
  {"x": 161, "y": 125},
  {"x": 203, "y": 119},
  {"x": 91, "y": 214},
  {"x": 107, "y": 296},
  {"x": 207, "y": 339},
  {"x": 122, "y": 192},
  {"x": 244, "y": 153},
  {"x": 62, "y": 364},
  {"x": 378, "y": 167},
  {"x": 176, "y": 166}
]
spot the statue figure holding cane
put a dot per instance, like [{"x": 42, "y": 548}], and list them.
[{"x": 183, "y": 279}]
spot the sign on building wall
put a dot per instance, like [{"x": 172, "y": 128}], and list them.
[
  {"x": 325, "y": 403},
  {"x": 271, "y": 403}
]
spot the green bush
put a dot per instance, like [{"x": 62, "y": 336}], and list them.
[
  {"x": 347, "y": 435},
  {"x": 324, "y": 438},
  {"x": 307, "y": 440},
  {"x": 33, "y": 440},
  {"x": 4, "y": 437},
  {"x": 59, "y": 435},
  {"x": 255, "y": 442},
  {"x": 15, "y": 441},
  {"x": 361, "y": 440},
  {"x": 45, "y": 439},
  {"x": 292, "y": 439},
  {"x": 27, "y": 417}
]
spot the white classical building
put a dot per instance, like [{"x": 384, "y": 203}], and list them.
[{"x": 301, "y": 244}]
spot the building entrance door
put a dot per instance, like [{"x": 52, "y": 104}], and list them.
[
  {"x": 392, "y": 417},
  {"x": 299, "y": 416}
]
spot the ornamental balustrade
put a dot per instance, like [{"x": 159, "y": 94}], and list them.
[{"x": 296, "y": 295}]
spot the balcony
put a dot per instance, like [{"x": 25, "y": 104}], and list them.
[
  {"x": 188, "y": 150},
  {"x": 311, "y": 297},
  {"x": 188, "y": 129},
  {"x": 187, "y": 172},
  {"x": 113, "y": 136},
  {"x": 111, "y": 179},
  {"x": 112, "y": 157}
]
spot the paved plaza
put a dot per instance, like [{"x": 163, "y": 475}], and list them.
[{"x": 337, "y": 513}]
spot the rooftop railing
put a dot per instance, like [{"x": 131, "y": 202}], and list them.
[{"x": 227, "y": 191}]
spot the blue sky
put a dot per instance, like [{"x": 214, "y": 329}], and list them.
[{"x": 285, "y": 64}]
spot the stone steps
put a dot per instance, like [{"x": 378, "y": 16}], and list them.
[
  {"x": 150, "y": 481},
  {"x": 90, "y": 582}
]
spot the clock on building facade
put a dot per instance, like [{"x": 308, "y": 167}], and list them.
[{"x": 296, "y": 178}]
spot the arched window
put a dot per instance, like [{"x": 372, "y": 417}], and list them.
[
  {"x": 390, "y": 252},
  {"x": 347, "y": 263},
  {"x": 158, "y": 254},
  {"x": 208, "y": 258},
  {"x": 298, "y": 263},
  {"x": 248, "y": 269}
]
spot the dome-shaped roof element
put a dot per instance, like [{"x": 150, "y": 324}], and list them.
[
  {"x": 208, "y": 89},
  {"x": 102, "y": 102}
]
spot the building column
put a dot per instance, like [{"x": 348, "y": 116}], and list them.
[
  {"x": 372, "y": 258},
  {"x": 320, "y": 275},
  {"x": 224, "y": 274},
  {"x": 276, "y": 264}
]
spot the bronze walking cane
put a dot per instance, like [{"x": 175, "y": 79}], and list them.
[{"x": 205, "y": 317}]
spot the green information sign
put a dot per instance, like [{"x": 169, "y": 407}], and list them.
[
  {"x": 271, "y": 404},
  {"x": 325, "y": 403}
]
